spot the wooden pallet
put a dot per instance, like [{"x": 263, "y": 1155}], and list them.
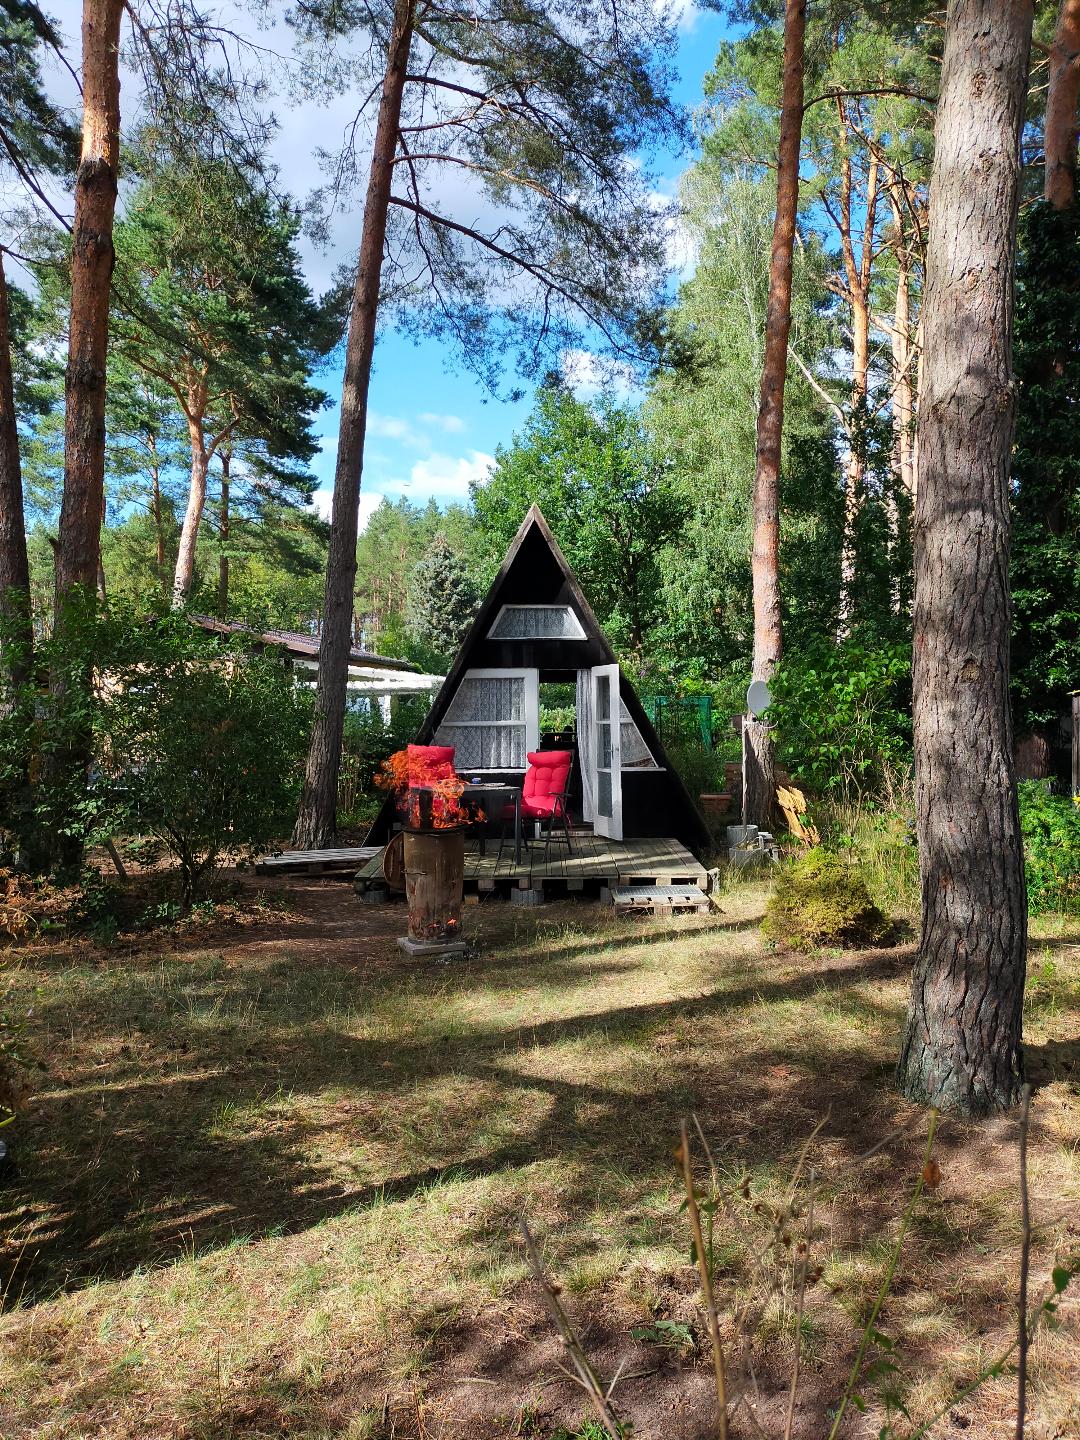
[
  {"x": 319, "y": 862},
  {"x": 659, "y": 899}
]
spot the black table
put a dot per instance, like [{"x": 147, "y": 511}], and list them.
[{"x": 504, "y": 793}]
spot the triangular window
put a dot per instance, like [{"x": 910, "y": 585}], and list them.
[{"x": 536, "y": 622}]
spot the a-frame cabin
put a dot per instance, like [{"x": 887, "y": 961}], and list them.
[{"x": 536, "y": 627}]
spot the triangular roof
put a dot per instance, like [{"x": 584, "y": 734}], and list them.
[{"x": 534, "y": 570}]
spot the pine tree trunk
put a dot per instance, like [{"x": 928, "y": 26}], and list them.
[
  {"x": 1062, "y": 122},
  {"x": 78, "y": 546},
  {"x": 900, "y": 343},
  {"x": 92, "y": 256},
  {"x": 184, "y": 576},
  {"x": 17, "y": 638},
  {"x": 317, "y": 820},
  {"x": 759, "y": 758},
  {"x": 962, "y": 1043},
  {"x": 223, "y": 532},
  {"x": 155, "y": 507}
]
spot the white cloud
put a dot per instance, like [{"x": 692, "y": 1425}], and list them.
[
  {"x": 413, "y": 434},
  {"x": 449, "y": 424},
  {"x": 390, "y": 427},
  {"x": 323, "y": 503},
  {"x": 588, "y": 375},
  {"x": 448, "y": 476},
  {"x": 683, "y": 14}
]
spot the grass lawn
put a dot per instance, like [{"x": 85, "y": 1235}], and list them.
[{"x": 272, "y": 1179}]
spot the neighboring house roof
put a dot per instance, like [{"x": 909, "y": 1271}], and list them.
[{"x": 300, "y": 646}]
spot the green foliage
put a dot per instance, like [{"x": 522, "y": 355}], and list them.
[
  {"x": 192, "y": 741},
  {"x": 1051, "y": 829},
  {"x": 843, "y": 715},
  {"x": 822, "y": 899},
  {"x": 608, "y": 498},
  {"x": 368, "y": 741},
  {"x": 701, "y": 769},
  {"x": 556, "y": 235},
  {"x": 1045, "y": 557},
  {"x": 702, "y": 415},
  {"x": 199, "y": 744},
  {"x": 442, "y": 600}
]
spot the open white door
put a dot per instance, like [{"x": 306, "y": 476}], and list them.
[{"x": 607, "y": 753}]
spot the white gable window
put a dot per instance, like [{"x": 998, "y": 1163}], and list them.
[
  {"x": 536, "y": 622},
  {"x": 493, "y": 721}
]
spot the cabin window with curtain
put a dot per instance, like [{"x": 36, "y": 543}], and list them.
[
  {"x": 493, "y": 720},
  {"x": 536, "y": 622}
]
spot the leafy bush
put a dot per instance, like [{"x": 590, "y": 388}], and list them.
[
  {"x": 843, "y": 716},
  {"x": 702, "y": 770},
  {"x": 822, "y": 899},
  {"x": 199, "y": 744},
  {"x": 368, "y": 741},
  {"x": 1051, "y": 827}
]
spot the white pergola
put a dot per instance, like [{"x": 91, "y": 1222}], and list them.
[{"x": 378, "y": 683}]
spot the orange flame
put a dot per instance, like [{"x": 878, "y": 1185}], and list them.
[{"x": 428, "y": 797}]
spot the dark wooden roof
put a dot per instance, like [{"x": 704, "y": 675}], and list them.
[{"x": 298, "y": 645}]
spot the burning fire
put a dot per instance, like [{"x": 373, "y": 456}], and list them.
[{"x": 429, "y": 795}]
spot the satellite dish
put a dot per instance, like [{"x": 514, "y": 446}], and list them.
[{"x": 758, "y": 698}]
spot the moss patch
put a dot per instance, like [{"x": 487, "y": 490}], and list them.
[{"x": 823, "y": 899}]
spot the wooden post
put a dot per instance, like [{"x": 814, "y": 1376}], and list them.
[
  {"x": 434, "y": 882},
  {"x": 1076, "y": 743}
]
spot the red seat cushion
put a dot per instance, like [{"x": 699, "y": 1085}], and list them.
[
  {"x": 546, "y": 777},
  {"x": 428, "y": 763}
]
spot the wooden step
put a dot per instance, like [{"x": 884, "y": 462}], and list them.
[{"x": 658, "y": 899}]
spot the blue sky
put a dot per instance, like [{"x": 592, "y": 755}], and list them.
[{"x": 433, "y": 428}]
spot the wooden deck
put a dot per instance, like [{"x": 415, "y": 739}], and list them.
[
  {"x": 318, "y": 862},
  {"x": 595, "y": 860}
]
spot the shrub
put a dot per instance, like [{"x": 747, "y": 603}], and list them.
[
  {"x": 843, "y": 716},
  {"x": 199, "y": 744},
  {"x": 1051, "y": 827},
  {"x": 822, "y": 899}
]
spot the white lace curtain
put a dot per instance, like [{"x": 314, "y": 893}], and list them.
[
  {"x": 586, "y": 742},
  {"x": 485, "y": 723}
]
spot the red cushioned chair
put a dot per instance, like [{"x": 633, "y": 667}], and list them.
[
  {"x": 545, "y": 796},
  {"x": 430, "y": 762},
  {"x": 427, "y": 765}
]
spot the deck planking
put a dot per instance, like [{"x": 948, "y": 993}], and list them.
[{"x": 594, "y": 859}]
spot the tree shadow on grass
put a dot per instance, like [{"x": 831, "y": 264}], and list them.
[{"x": 199, "y": 1134}]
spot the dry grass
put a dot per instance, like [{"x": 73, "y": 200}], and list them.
[{"x": 272, "y": 1187}]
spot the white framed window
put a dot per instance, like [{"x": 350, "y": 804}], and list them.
[
  {"x": 493, "y": 721},
  {"x": 536, "y": 622}
]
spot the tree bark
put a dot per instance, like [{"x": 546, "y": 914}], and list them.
[
  {"x": 858, "y": 275},
  {"x": 759, "y": 757},
  {"x": 155, "y": 508},
  {"x": 16, "y": 641},
  {"x": 962, "y": 1043},
  {"x": 92, "y": 257},
  {"x": 184, "y": 576},
  {"x": 223, "y": 532},
  {"x": 1062, "y": 122},
  {"x": 317, "y": 819}
]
